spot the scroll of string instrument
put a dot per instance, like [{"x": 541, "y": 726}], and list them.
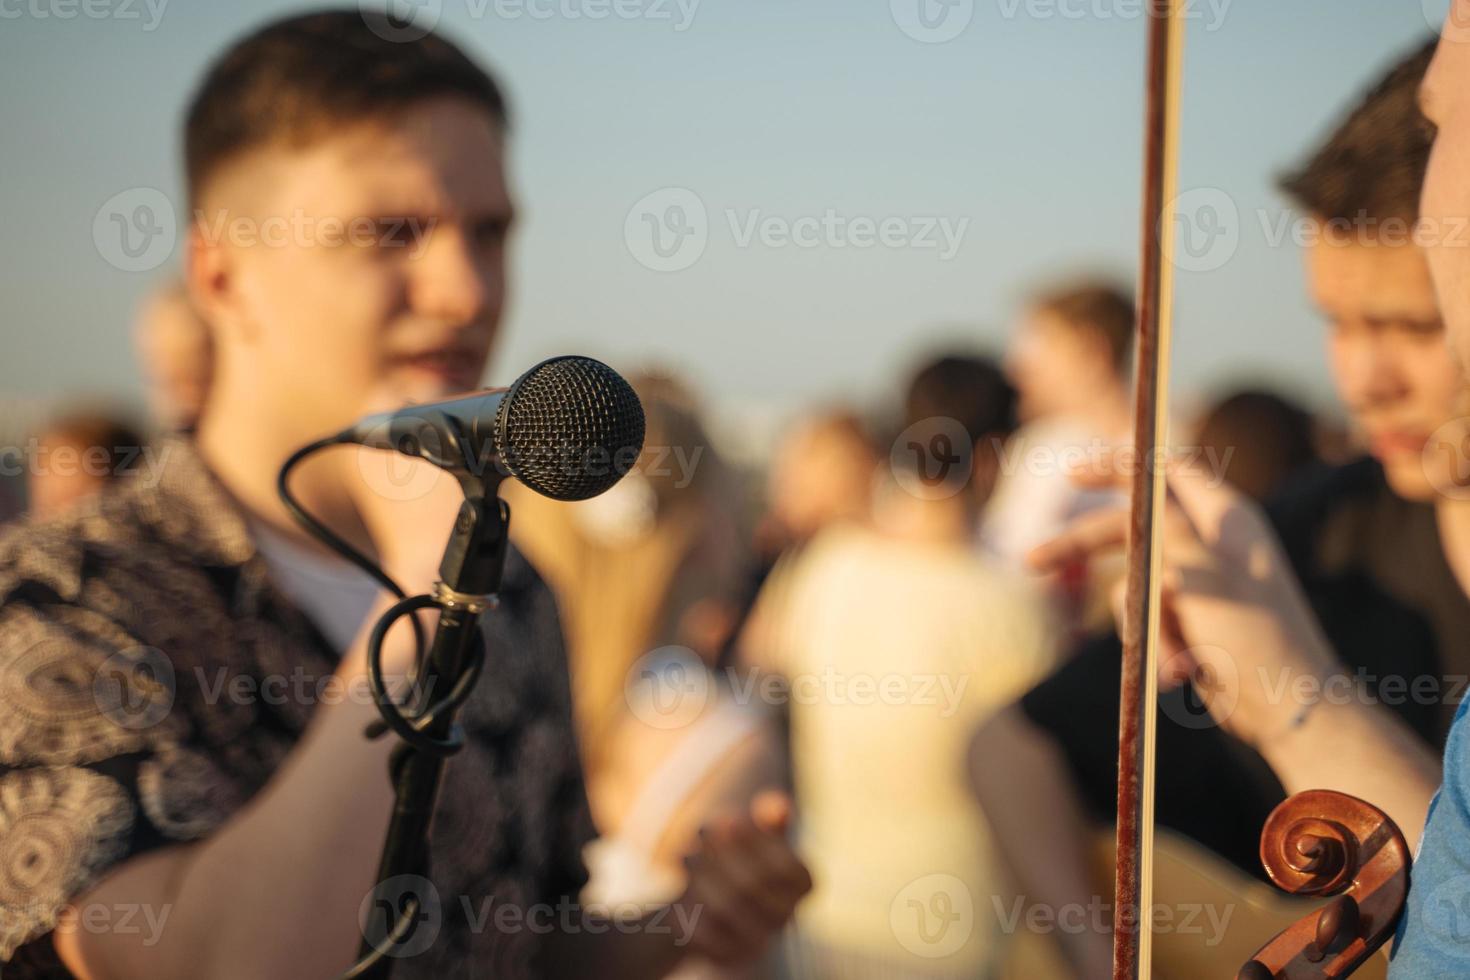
[
  {"x": 1317, "y": 843},
  {"x": 1321, "y": 843}
]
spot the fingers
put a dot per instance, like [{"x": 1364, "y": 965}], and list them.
[
  {"x": 1107, "y": 529},
  {"x": 745, "y": 880},
  {"x": 771, "y": 811},
  {"x": 727, "y": 929},
  {"x": 1203, "y": 495},
  {"x": 1094, "y": 532}
]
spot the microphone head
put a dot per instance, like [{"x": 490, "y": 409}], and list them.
[{"x": 569, "y": 428}]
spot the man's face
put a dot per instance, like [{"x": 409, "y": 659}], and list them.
[
  {"x": 1388, "y": 354},
  {"x": 1051, "y": 362},
  {"x": 376, "y": 271},
  {"x": 1446, "y": 203}
]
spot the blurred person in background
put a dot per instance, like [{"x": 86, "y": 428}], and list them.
[
  {"x": 647, "y": 577},
  {"x": 1367, "y": 539},
  {"x": 656, "y": 561},
  {"x": 75, "y": 458},
  {"x": 821, "y": 473},
  {"x": 893, "y": 640},
  {"x": 1281, "y": 436},
  {"x": 176, "y": 354},
  {"x": 688, "y": 744},
  {"x": 1069, "y": 362}
]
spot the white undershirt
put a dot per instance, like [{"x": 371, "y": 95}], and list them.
[{"x": 334, "y": 593}]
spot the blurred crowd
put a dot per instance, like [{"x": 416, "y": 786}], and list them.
[
  {"x": 858, "y": 620},
  {"x": 845, "y": 621}
]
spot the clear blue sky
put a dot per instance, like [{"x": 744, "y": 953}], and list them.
[{"x": 1026, "y": 124}]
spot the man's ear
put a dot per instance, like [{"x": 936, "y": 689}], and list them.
[{"x": 211, "y": 277}]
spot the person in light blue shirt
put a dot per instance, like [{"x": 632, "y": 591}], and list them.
[{"x": 1434, "y": 935}]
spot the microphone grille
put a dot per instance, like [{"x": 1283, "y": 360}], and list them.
[{"x": 569, "y": 428}]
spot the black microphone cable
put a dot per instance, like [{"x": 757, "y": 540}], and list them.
[{"x": 332, "y": 540}]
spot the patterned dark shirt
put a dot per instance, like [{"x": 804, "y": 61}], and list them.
[{"x": 149, "y": 686}]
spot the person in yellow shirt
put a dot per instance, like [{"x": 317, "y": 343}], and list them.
[{"x": 892, "y": 642}]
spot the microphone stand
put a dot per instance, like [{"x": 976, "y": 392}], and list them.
[{"x": 470, "y": 576}]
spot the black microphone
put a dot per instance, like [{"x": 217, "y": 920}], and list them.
[{"x": 568, "y": 429}]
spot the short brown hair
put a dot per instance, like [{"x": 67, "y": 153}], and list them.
[
  {"x": 971, "y": 390},
  {"x": 1372, "y": 166},
  {"x": 297, "y": 79},
  {"x": 1099, "y": 307},
  {"x": 87, "y": 430}
]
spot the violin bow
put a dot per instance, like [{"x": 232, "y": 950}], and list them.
[
  {"x": 1138, "y": 704},
  {"x": 1317, "y": 843}
]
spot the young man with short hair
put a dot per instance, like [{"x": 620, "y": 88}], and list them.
[
  {"x": 182, "y": 667},
  {"x": 1368, "y": 540},
  {"x": 1240, "y": 613}
]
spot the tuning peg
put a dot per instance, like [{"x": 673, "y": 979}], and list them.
[
  {"x": 1336, "y": 927},
  {"x": 1254, "y": 970}
]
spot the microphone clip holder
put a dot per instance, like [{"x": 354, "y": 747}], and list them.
[{"x": 470, "y": 577}]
